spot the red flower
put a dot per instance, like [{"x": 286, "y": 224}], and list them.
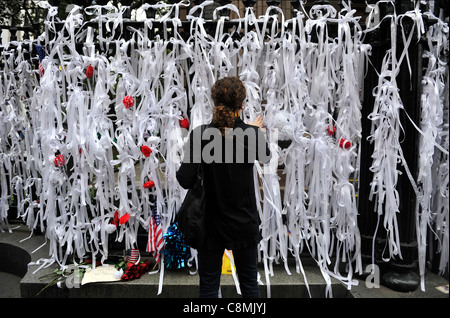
[
  {"x": 134, "y": 271},
  {"x": 331, "y": 130},
  {"x": 149, "y": 184},
  {"x": 116, "y": 218},
  {"x": 130, "y": 276},
  {"x": 129, "y": 266},
  {"x": 344, "y": 143},
  {"x": 184, "y": 123},
  {"x": 128, "y": 101},
  {"x": 144, "y": 267},
  {"x": 131, "y": 273},
  {"x": 124, "y": 218},
  {"x": 146, "y": 151},
  {"x": 89, "y": 71},
  {"x": 59, "y": 160}
]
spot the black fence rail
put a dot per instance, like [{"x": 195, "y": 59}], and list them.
[{"x": 33, "y": 25}]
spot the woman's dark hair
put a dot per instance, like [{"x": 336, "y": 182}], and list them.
[{"x": 228, "y": 95}]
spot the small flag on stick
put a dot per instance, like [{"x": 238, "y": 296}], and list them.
[
  {"x": 132, "y": 255},
  {"x": 41, "y": 54},
  {"x": 155, "y": 234}
]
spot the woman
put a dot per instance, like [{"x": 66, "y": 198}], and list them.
[{"x": 232, "y": 220}]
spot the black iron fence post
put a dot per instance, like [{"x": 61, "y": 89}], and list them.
[
  {"x": 367, "y": 217},
  {"x": 398, "y": 274},
  {"x": 403, "y": 271}
]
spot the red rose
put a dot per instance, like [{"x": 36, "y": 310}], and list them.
[
  {"x": 144, "y": 267},
  {"x": 59, "y": 160},
  {"x": 146, "y": 151},
  {"x": 116, "y": 218},
  {"x": 184, "y": 123},
  {"x": 149, "y": 184},
  {"x": 331, "y": 130},
  {"x": 124, "y": 218},
  {"x": 128, "y": 101},
  {"x": 89, "y": 71},
  {"x": 344, "y": 143},
  {"x": 134, "y": 269}
]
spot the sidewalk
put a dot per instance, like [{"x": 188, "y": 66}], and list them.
[{"x": 180, "y": 284}]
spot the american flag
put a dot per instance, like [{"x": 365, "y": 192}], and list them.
[
  {"x": 132, "y": 255},
  {"x": 41, "y": 54},
  {"x": 155, "y": 241}
]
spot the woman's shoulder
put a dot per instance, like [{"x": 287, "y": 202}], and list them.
[{"x": 239, "y": 123}]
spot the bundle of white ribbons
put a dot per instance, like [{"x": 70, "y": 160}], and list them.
[
  {"x": 432, "y": 212},
  {"x": 433, "y": 150}
]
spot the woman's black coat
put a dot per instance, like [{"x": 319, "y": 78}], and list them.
[{"x": 232, "y": 219}]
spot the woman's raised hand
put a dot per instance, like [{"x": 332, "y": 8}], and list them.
[{"x": 258, "y": 122}]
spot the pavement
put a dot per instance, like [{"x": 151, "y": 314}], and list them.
[{"x": 18, "y": 281}]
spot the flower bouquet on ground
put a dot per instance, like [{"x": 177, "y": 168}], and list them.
[
  {"x": 135, "y": 271},
  {"x": 61, "y": 277},
  {"x": 72, "y": 275}
]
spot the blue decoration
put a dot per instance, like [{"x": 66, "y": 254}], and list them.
[{"x": 176, "y": 252}]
